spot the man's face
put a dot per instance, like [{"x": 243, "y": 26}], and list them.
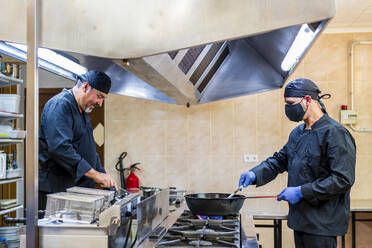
[
  {"x": 91, "y": 98},
  {"x": 303, "y": 101}
]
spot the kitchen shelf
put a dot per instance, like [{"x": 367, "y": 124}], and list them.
[
  {"x": 5, "y": 142},
  {"x": 10, "y": 180},
  {"x": 4, "y": 116},
  {"x": 8, "y": 81},
  {"x": 10, "y": 209}
]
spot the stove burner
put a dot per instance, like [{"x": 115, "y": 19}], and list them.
[{"x": 189, "y": 231}]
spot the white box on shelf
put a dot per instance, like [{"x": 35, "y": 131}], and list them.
[
  {"x": 17, "y": 134},
  {"x": 10, "y": 103},
  {"x": 11, "y": 173}
]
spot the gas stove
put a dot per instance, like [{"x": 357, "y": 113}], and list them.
[{"x": 200, "y": 231}]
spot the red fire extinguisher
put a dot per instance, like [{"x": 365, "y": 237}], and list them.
[{"x": 132, "y": 182}]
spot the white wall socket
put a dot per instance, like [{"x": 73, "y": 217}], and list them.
[{"x": 249, "y": 158}]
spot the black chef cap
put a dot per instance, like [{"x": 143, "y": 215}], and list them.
[
  {"x": 301, "y": 87},
  {"x": 98, "y": 80}
]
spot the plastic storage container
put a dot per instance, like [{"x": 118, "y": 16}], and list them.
[
  {"x": 12, "y": 134},
  {"x": 74, "y": 207},
  {"x": 10, "y": 103},
  {"x": 17, "y": 134},
  {"x": 5, "y": 129},
  {"x": 108, "y": 194},
  {"x": 11, "y": 173}
]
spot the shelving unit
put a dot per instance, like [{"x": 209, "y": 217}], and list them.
[
  {"x": 6, "y": 81},
  {"x": 11, "y": 180},
  {"x": 5, "y": 142},
  {"x": 9, "y": 116},
  {"x": 11, "y": 209}
]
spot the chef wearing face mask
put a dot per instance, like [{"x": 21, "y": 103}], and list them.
[
  {"x": 67, "y": 150},
  {"x": 320, "y": 160}
]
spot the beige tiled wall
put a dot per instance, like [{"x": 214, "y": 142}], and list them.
[{"x": 201, "y": 148}]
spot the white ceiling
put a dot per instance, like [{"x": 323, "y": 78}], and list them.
[{"x": 352, "y": 16}]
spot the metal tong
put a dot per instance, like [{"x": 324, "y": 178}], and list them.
[{"x": 236, "y": 191}]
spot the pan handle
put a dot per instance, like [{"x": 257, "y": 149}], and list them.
[{"x": 262, "y": 196}]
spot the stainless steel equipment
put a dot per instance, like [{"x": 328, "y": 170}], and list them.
[
  {"x": 243, "y": 48},
  {"x": 151, "y": 212},
  {"x": 79, "y": 208},
  {"x": 182, "y": 229},
  {"x": 107, "y": 194},
  {"x": 110, "y": 229},
  {"x": 189, "y": 230}
]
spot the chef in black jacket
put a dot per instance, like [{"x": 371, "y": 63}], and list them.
[
  {"x": 67, "y": 151},
  {"x": 320, "y": 160}
]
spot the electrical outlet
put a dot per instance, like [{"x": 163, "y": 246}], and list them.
[{"x": 250, "y": 158}]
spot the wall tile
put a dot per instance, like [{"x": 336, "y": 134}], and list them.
[
  {"x": 316, "y": 61},
  {"x": 178, "y": 171},
  {"x": 123, "y": 107},
  {"x": 338, "y": 90},
  {"x": 153, "y": 110},
  {"x": 268, "y": 125},
  {"x": 176, "y": 137},
  {"x": 152, "y": 137},
  {"x": 199, "y": 177},
  {"x": 338, "y": 49},
  {"x": 363, "y": 170},
  {"x": 176, "y": 112},
  {"x": 222, "y": 174},
  {"x": 153, "y": 171},
  {"x": 363, "y": 104},
  {"x": 362, "y": 62},
  {"x": 363, "y": 143},
  {"x": 199, "y": 137},
  {"x": 200, "y": 112},
  {"x": 222, "y": 128}
]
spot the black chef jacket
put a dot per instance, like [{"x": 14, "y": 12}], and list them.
[
  {"x": 66, "y": 145},
  {"x": 322, "y": 162}
]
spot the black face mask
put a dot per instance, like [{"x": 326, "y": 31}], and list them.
[{"x": 295, "y": 112}]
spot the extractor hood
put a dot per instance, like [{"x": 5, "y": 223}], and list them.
[{"x": 183, "y": 51}]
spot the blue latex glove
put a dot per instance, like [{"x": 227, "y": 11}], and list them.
[
  {"x": 247, "y": 178},
  {"x": 291, "y": 194}
]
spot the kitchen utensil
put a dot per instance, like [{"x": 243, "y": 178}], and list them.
[
  {"x": 216, "y": 204},
  {"x": 236, "y": 191}
]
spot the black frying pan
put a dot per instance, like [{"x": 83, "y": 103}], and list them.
[{"x": 216, "y": 204}]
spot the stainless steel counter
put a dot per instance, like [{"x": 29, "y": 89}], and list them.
[{"x": 249, "y": 239}]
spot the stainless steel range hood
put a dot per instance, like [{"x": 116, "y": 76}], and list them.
[{"x": 183, "y": 51}]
